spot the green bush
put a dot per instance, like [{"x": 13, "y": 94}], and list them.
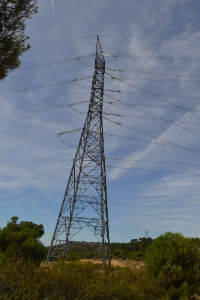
[
  {"x": 173, "y": 263},
  {"x": 22, "y": 239}
]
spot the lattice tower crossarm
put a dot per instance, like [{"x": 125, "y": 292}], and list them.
[{"x": 84, "y": 205}]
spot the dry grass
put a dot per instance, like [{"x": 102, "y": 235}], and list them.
[{"x": 118, "y": 263}]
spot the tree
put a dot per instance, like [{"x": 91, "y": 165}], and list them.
[
  {"x": 173, "y": 262},
  {"x": 22, "y": 239},
  {"x": 13, "y": 41}
]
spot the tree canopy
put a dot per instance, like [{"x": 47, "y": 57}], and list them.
[
  {"x": 13, "y": 41},
  {"x": 173, "y": 261},
  {"x": 22, "y": 239}
]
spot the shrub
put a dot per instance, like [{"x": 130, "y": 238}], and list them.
[
  {"x": 173, "y": 263},
  {"x": 22, "y": 239},
  {"x": 22, "y": 279}
]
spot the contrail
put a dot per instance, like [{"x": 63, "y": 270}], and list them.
[{"x": 53, "y": 14}]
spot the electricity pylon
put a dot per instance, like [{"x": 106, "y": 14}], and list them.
[{"x": 84, "y": 205}]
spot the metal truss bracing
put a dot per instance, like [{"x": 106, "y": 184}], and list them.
[{"x": 84, "y": 204}]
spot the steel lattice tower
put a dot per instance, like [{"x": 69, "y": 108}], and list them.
[{"x": 85, "y": 200}]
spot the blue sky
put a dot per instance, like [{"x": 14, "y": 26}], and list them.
[{"x": 144, "y": 192}]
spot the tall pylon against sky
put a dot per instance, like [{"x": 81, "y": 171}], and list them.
[{"x": 84, "y": 206}]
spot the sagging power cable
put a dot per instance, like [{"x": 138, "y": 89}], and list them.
[
  {"x": 174, "y": 122},
  {"x": 176, "y": 77},
  {"x": 152, "y": 57},
  {"x": 163, "y": 141},
  {"x": 153, "y": 161},
  {"x": 152, "y": 170},
  {"x": 54, "y": 107},
  {"x": 172, "y": 80},
  {"x": 78, "y": 58},
  {"x": 192, "y": 109},
  {"x": 148, "y": 141},
  {"x": 144, "y": 92},
  {"x": 44, "y": 85},
  {"x": 58, "y": 134}
]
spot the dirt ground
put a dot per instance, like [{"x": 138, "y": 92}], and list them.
[
  {"x": 114, "y": 262},
  {"x": 118, "y": 263}
]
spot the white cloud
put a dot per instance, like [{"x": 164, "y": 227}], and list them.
[{"x": 137, "y": 28}]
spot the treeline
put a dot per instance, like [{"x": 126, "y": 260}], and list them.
[
  {"x": 171, "y": 269},
  {"x": 134, "y": 250}
]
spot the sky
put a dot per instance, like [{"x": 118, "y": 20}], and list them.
[{"x": 154, "y": 174}]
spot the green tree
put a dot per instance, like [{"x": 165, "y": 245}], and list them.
[
  {"x": 13, "y": 41},
  {"x": 173, "y": 262},
  {"x": 22, "y": 239}
]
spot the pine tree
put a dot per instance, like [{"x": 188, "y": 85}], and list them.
[{"x": 13, "y": 41}]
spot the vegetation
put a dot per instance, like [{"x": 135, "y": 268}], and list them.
[
  {"x": 22, "y": 240},
  {"x": 13, "y": 41},
  {"x": 171, "y": 269},
  {"x": 71, "y": 281},
  {"x": 133, "y": 250},
  {"x": 173, "y": 264}
]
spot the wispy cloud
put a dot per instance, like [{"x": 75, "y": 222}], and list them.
[{"x": 33, "y": 164}]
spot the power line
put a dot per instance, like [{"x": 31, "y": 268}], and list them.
[
  {"x": 170, "y": 144},
  {"x": 153, "y": 161},
  {"x": 191, "y": 109},
  {"x": 148, "y": 118},
  {"x": 78, "y": 58},
  {"x": 141, "y": 132},
  {"x": 140, "y": 117},
  {"x": 58, "y": 134},
  {"x": 152, "y": 170},
  {"x": 54, "y": 107},
  {"x": 153, "y": 73},
  {"x": 173, "y": 80},
  {"x": 51, "y": 84},
  {"x": 113, "y": 91},
  {"x": 155, "y": 95},
  {"x": 133, "y": 169},
  {"x": 153, "y": 142},
  {"x": 153, "y": 57},
  {"x": 112, "y": 159},
  {"x": 174, "y": 122}
]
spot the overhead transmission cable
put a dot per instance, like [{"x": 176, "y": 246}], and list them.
[
  {"x": 120, "y": 115},
  {"x": 173, "y": 80},
  {"x": 59, "y": 134},
  {"x": 153, "y": 161},
  {"x": 110, "y": 76},
  {"x": 149, "y": 141},
  {"x": 192, "y": 109},
  {"x": 112, "y": 159},
  {"x": 133, "y": 169},
  {"x": 54, "y": 107},
  {"x": 47, "y": 84},
  {"x": 162, "y": 143},
  {"x": 169, "y": 143},
  {"x": 188, "y": 109},
  {"x": 152, "y": 57},
  {"x": 145, "y": 92},
  {"x": 174, "y": 122},
  {"x": 78, "y": 58},
  {"x": 152, "y": 170},
  {"x": 176, "y": 77}
]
